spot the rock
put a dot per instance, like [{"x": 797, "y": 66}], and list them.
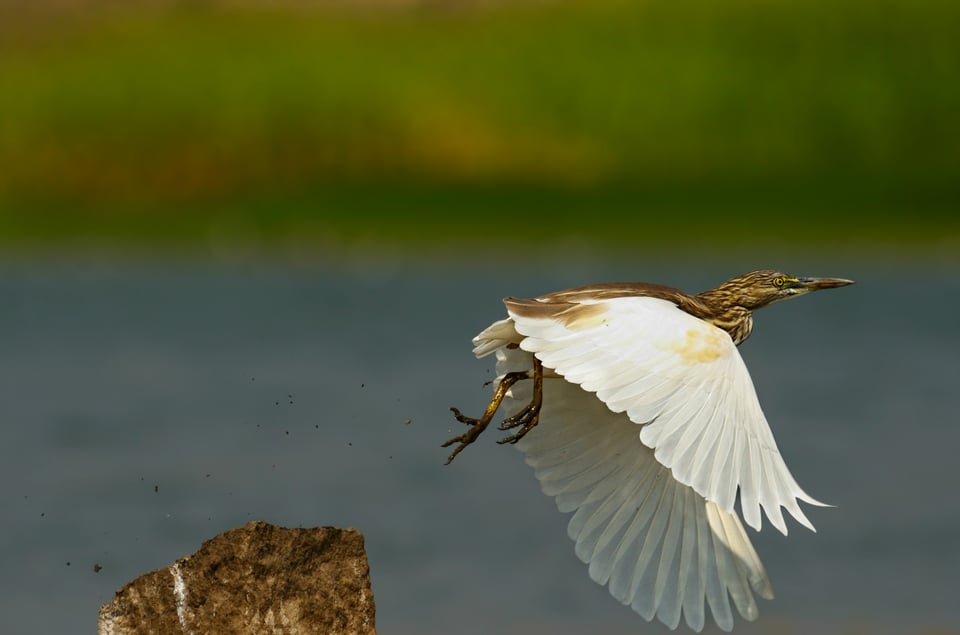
[{"x": 258, "y": 578}]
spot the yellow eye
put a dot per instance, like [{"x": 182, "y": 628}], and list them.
[{"x": 779, "y": 282}]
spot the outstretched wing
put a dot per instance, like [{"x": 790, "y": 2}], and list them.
[
  {"x": 683, "y": 381},
  {"x": 658, "y": 545}
]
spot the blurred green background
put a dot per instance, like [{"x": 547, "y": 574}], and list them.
[{"x": 309, "y": 128}]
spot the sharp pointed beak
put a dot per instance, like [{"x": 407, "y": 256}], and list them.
[{"x": 815, "y": 284}]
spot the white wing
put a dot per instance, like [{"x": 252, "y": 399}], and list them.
[
  {"x": 683, "y": 380},
  {"x": 657, "y": 544}
]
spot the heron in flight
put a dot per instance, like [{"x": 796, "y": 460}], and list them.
[{"x": 648, "y": 425}]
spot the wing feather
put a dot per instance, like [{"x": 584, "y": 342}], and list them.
[
  {"x": 682, "y": 380},
  {"x": 714, "y": 589},
  {"x": 666, "y": 595},
  {"x": 691, "y": 564},
  {"x": 652, "y": 540},
  {"x": 615, "y": 534},
  {"x": 729, "y": 567}
]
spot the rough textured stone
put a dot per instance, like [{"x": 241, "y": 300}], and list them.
[{"x": 258, "y": 578}]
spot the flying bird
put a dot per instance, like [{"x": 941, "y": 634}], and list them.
[{"x": 637, "y": 413}]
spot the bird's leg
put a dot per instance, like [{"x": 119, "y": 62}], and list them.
[
  {"x": 479, "y": 425},
  {"x": 529, "y": 417}
]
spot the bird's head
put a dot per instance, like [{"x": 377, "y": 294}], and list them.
[{"x": 757, "y": 289}]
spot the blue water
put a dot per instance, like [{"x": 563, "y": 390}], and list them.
[{"x": 147, "y": 407}]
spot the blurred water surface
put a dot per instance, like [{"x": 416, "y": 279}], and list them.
[{"x": 148, "y": 407}]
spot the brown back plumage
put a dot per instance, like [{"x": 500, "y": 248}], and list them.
[{"x": 729, "y": 306}]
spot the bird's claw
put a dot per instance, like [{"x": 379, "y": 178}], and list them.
[
  {"x": 531, "y": 410},
  {"x": 529, "y": 420},
  {"x": 476, "y": 427},
  {"x": 463, "y": 440},
  {"x": 462, "y": 418},
  {"x": 529, "y": 415}
]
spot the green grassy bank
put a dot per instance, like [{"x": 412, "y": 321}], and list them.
[{"x": 606, "y": 120}]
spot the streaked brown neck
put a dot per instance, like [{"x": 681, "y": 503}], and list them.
[{"x": 722, "y": 310}]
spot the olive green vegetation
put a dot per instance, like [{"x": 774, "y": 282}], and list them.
[{"x": 627, "y": 122}]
